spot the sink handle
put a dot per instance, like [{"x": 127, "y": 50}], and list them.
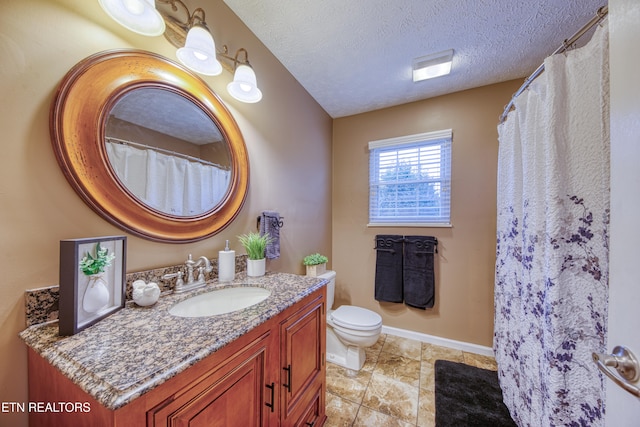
[{"x": 179, "y": 281}]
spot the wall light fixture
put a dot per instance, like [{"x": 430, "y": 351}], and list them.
[
  {"x": 189, "y": 33},
  {"x": 434, "y": 65}
]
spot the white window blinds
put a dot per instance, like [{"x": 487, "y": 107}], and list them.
[{"x": 410, "y": 180}]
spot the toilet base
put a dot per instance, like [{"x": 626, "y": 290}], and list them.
[{"x": 347, "y": 356}]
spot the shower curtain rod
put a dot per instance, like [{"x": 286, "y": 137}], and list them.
[
  {"x": 163, "y": 151},
  {"x": 600, "y": 15}
]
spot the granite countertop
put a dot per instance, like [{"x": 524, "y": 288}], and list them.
[{"x": 138, "y": 348}]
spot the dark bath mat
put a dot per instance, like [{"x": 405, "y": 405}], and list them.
[{"x": 468, "y": 396}]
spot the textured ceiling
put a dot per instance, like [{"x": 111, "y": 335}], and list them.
[
  {"x": 167, "y": 113},
  {"x": 355, "y": 56}
]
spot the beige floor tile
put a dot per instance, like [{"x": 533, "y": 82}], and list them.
[
  {"x": 480, "y": 361},
  {"x": 427, "y": 375},
  {"x": 370, "y": 418},
  {"x": 347, "y": 383},
  {"x": 402, "y": 346},
  {"x": 392, "y": 397},
  {"x": 427, "y": 408},
  {"x": 340, "y": 412},
  {"x": 370, "y": 361},
  {"x": 399, "y": 368},
  {"x": 372, "y": 354},
  {"x": 431, "y": 353}
]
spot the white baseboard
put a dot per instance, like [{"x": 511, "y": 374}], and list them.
[{"x": 444, "y": 342}]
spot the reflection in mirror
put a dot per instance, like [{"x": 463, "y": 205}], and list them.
[{"x": 167, "y": 152}]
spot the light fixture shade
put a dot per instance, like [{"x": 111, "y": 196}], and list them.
[
  {"x": 430, "y": 66},
  {"x": 244, "y": 86},
  {"x": 199, "y": 52},
  {"x": 139, "y": 16}
]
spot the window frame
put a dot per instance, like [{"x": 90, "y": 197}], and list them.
[{"x": 442, "y": 138}]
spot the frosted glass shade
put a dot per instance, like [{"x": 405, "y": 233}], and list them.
[
  {"x": 199, "y": 52},
  {"x": 244, "y": 86},
  {"x": 139, "y": 16}
]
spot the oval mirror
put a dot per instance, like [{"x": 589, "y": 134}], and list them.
[{"x": 149, "y": 146}]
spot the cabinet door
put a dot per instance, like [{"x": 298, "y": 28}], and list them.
[
  {"x": 234, "y": 394},
  {"x": 302, "y": 356}
]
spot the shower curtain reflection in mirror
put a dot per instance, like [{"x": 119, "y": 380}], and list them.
[{"x": 167, "y": 183}]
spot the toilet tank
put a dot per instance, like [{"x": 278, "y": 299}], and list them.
[{"x": 331, "y": 286}]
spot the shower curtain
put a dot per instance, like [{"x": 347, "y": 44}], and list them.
[
  {"x": 167, "y": 183},
  {"x": 552, "y": 242}
]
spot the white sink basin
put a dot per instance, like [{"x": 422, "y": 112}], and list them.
[{"x": 221, "y": 301}]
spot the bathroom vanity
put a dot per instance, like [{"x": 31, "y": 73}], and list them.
[{"x": 260, "y": 366}]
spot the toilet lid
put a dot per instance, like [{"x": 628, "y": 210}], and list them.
[{"x": 349, "y": 316}]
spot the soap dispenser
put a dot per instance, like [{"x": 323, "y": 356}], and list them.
[{"x": 226, "y": 264}]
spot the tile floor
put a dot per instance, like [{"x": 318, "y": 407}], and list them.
[{"x": 395, "y": 387}]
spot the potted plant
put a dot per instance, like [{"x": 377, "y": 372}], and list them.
[
  {"x": 255, "y": 245},
  {"x": 316, "y": 264}
]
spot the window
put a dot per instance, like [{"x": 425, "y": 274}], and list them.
[{"x": 410, "y": 180}]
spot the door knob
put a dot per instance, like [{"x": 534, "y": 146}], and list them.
[{"x": 626, "y": 365}]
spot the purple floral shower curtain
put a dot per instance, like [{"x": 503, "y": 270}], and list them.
[{"x": 552, "y": 242}]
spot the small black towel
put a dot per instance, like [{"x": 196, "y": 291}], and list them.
[
  {"x": 418, "y": 271},
  {"x": 388, "y": 286}
]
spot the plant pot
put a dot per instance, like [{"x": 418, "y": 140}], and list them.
[
  {"x": 256, "y": 267},
  {"x": 96, "y": 296},
  {"x": 316, "y": 270}
]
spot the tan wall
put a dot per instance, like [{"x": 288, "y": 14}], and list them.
[
  {"x": 465, "y": 263},
  {"x": 287, "y": 135}
]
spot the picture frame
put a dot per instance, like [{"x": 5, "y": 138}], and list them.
[{"x": 92, "y": 281}]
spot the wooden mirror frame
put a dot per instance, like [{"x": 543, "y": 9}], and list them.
[{"x": 78, "y": 117}]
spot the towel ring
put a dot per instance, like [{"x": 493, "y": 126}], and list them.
[{"x": 275, "y": 222}]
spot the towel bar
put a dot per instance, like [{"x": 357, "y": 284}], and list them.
[
  {"x": 425, "y": 242},
  {"x": 385, "y": 250},
  {"x": 275, "y": 223},
  {"x": 380, "y": 244}
]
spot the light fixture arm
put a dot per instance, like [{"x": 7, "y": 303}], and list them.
[
  {"x": 234, "y": 59},
  {"x": 178, "y": 20},
  {"x": 194, "y": 19}
]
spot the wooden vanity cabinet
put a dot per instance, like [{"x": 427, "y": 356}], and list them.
[{"x": 243, "y": 384}]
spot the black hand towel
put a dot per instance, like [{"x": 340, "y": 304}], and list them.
[
  {"x": 418, "y": 271},
  {"x": 388, "y": 286}
]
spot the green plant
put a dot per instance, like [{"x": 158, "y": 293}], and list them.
[
  {"x": 93, "y": 265},
  {"x": 255, "y": 244},
  {"x": 315, "y": 259}
]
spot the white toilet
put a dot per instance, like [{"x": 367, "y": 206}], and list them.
[{"x": 349, "y": 329}]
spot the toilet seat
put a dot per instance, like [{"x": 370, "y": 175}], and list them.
[{"x": 356, "y": 318}]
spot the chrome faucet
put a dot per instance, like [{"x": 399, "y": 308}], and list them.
[{"x": 203, "y": 265}]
